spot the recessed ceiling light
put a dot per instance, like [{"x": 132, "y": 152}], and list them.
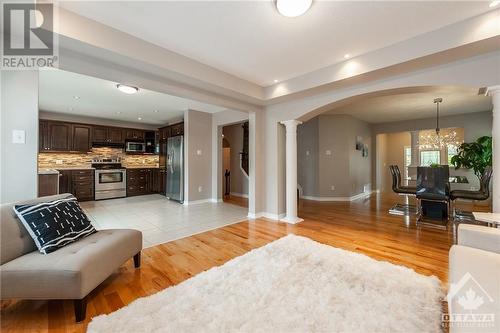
[
  {"x": 347, "y": 56},
  {"x": 118, "y": 112},
  {"x": 139, "y": 118},
  {"x": 156, "y": 111},
  {"x": 71, "y": 109},
  {"x": 275, "y": 81},
  {"x": 127, "y": 89},
  {"x": 293, "y": 8},
  {"x": 76, "y": 97},
  {"x": 494, "y": 3}
]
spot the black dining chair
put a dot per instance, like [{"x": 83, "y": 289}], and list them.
[
  {"x": 397, "y": 187},
  {"x": 482, "y": 194}
]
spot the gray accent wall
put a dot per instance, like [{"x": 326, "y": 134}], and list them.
[
  {"x": 19, "y": 111},
  {"x": 327, "y": 157},
  {"x": 198, "y": 167},
  {"x": 307, "y": 157},
  {"x": 234, "y": 135}
]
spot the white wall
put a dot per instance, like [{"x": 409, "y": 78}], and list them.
[
  {"x": 198, "y": 156},
  {"x": 19, "y": 111}
]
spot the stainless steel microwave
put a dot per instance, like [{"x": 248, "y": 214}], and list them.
[{"x": 135, "y": 147}]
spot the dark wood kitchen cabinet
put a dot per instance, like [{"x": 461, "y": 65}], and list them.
[
  {"x": 43, "y": 135},
  {"x": 60, "y": 136},
  {"x": 103, "y": 135},
  {"x": 57, "y": 136},
  {"x": 136, "y": 182},
  {"x": 144, "y": 181},
  {"x": 80, "y": 183},
  {"x": 161, "y": 176},
  {"x": 82, "y": 138},
  {"x": 65, "y": 181},
  {"x": 134, "y": 135},
  {"x": 177, "y": 129}
]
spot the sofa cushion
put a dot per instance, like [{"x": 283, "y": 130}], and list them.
[
  {"x": 14, "y": 238},
  {"x": 72, "y": 271},
  {"x": 54, "y": 224}
]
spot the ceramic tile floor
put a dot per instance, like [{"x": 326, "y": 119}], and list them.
[{"x": 159, "y": 219}]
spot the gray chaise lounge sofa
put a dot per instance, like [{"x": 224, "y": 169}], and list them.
[{"x": 71, "y": 272}]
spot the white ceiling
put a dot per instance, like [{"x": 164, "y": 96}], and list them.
[
  {"x": 100, "y": 98},
  {"x": 251, "y": 40},
  {"x": 411, "y": 106}
]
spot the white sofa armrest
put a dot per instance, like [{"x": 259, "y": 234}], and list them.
[
  {"x": 479, "y": 237},
  {"x": 469, "y": 266}
]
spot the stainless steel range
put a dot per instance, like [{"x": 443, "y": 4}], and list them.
[{"x": 110, "y": 179}]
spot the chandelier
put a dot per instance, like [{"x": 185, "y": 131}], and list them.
[{"x": 438, "y": 139}]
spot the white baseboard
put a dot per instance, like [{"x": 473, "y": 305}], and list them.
[
  {"x": 333, "y": 199},
  {"x": 266, "y": 215},
  {"x": 241, "y": 195},
  {"x": 196, "y": 202}
]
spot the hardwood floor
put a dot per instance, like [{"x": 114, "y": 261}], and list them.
[
  {"x": 238, "y": 201},
  {"x": 363, "y": 226}
]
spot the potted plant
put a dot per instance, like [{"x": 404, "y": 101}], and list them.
[{"x": 474, "y": 155}]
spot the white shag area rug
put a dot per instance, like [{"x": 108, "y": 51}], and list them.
[{"x": 293, "y": 284}]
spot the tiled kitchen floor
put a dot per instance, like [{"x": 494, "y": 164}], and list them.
[{"x": 159, "y": 219}]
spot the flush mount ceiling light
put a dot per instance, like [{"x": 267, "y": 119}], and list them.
[
  {"x": 347, "y": 56},
  {"x": 293, "y": 8},
  {"x": 127, "y": 89}
]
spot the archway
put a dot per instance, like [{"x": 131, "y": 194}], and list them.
[{"x": 391, "y": 124}]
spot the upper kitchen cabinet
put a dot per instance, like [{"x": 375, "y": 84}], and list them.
[
  {"x": 54, "y": 136},
  {"x": 134, "y": 134},
  {"x": 115, "y": 135},
  {"x": 58, "y": 136},
  {"x": 177, "y": 129},
  {"x": 103, "y": 135},
  {"x": 82, "y": 138}
]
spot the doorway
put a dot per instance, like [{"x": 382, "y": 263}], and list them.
[{"x": 235, "y": 164}]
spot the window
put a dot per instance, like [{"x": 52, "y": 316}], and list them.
[
  {"x": 452, "y": 151},
  {"x": 428, "y": 157},
  {"x": 407, "y": 159}
]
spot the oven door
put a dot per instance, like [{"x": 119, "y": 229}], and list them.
[{"x": 110, "y": 179}]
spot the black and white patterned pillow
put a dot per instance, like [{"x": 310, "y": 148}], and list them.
[{"x": 54, "y": 224}]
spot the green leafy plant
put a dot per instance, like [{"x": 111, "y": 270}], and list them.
[{"x": 474, "y": 155}]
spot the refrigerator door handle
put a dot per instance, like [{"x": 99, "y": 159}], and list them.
[{"x": 171, "y": 161}]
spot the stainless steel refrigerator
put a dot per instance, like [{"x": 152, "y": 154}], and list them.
[{"x": 175, "y": 168}]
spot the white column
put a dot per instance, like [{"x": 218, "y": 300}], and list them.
[
  {"x": 494, "y": 92},
  {"x": 415, "y": 156},
  {"x": 291, "y": 171}
]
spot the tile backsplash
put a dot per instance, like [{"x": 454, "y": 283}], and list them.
[{"x": 60, "y": 160}]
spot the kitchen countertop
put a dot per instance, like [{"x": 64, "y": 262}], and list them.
[
  {"x": 83, "y": 167},
  {"x": 141, "y": 167},
  {"x": 48, "y": 172}
]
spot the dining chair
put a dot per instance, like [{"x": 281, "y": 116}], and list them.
[
  {"x": 481, "y": 195},
  {"x": 397, "y": 187}
]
